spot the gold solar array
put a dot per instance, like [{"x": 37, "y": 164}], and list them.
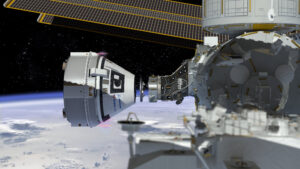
[
  {"x": 104, "y": 5},
  {"x": 171, "y": 26},
  {"x": 162, "y": 6},
  {"x": 133, "y": 11}
]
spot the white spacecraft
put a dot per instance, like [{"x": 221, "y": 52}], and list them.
[
  {"x": 95, "y": 89},
  {"x": 246, "y": 84}
]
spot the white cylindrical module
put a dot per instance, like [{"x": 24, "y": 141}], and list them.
[
  {"x": 239, "y": 16},
  {"x": 95, "y": 89},
  {"x": 154, "y": 86}
]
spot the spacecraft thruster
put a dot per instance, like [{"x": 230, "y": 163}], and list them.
[{"x": 95, "y": 89}]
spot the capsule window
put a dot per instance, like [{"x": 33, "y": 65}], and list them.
[{"x": 117, "y": 82}]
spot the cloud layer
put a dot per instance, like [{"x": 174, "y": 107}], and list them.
[{"x": 18, "y": 130}]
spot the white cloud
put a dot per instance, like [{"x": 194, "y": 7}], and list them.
[
  {"x": 65, "y": 164},
  {"x": 4, "y": 159},
  {"x": 18, "y": 130}
]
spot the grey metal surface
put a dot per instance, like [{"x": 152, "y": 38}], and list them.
[
  {"x": 235, "y": 75},
  {"x": 170, "y": 87},
  {"x": 229, "y": 151}
]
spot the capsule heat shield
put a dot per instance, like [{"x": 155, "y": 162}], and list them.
[{"x": 95, "y": 89}]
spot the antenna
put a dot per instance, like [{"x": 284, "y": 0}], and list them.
[{"x": 131, "y": 126}]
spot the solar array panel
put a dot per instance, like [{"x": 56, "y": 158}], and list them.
[
  {"x": 167, "y": 6},
  {"x": 134, "y": 10},
  {"x": 117, "y": 31},
  {"x": 173, "y": 25},
  {"x": 45, "y": 19}
]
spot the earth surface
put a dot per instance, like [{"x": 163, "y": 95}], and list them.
[{"x": 34, "y": 134}]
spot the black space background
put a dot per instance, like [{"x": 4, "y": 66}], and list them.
[{"x": 32, "y": 54}]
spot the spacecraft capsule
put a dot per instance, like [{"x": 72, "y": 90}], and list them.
[{"x": 95, "y": 89}]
